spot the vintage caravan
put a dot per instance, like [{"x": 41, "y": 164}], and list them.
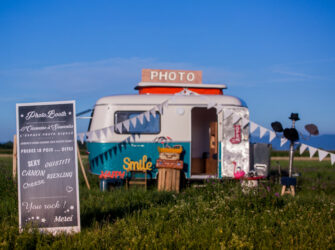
[{"x": 173, "y": 108}]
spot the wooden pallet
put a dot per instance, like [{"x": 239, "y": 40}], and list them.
[{"x": 168, "y": 179}]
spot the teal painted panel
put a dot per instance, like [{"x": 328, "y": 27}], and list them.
[{"x": 115, "y": 156}]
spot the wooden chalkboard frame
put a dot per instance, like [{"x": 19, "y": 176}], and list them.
[{"x": 59, "y": 212}]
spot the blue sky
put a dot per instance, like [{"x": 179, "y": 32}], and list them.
[{"x": 278, "y": 56}]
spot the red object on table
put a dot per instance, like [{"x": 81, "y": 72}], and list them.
[{"x": 254, "y": 178}]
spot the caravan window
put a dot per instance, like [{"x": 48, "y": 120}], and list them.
[{"x": 153, "y": 126}]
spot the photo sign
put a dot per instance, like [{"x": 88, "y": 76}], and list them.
[{"x": 47, "y": 166}]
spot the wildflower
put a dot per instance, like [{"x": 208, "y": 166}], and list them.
[
  {"x": 277, "y": 194},
  {"x": 268, "y": 188}
]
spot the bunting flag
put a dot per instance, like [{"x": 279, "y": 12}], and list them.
[
  {"x": 92, "y": 135},
  {"x": 141, "y": 118},
  {"x": 165, "y": 104},
  {"x": 283, "y": 140},
  {"x": 302, "y": 148},
  {"x": 332, "y": 158},
  {"x": 227, "y": 113},
  {"x": 322, "y": 154},
  {"x": 272, "y": 135},
  {"x": 81, "y": 137},
  {"x": 253, "y": 127},
  {"x": 262, "y": 131},
  {"x": 153, "y": 112},
  {"x": 236, "y": 118},
  {"x": 147, "y": 116},
  {"x": 126, "y": 124},
  {"x": 119, "y": 127},
  {"x": 133, "y": 121},
  {"x": 211, "y": 105},
  {"x": 160, "y": 108},
  {"x": 219, "y": 108},
  {"x": 105, "y": 132},
  {"x": 245, "y": 122},
  {"x": 312, "y": 151}
]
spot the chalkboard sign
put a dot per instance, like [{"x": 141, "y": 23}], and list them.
[{"x": 47, "y": 166}]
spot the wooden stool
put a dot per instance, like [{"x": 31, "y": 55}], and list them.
[
  {"x": 288, "y": 185},
  {"x": 136, "y": 182}
]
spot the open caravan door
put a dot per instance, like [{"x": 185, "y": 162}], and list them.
[{"x": 234, "y": 140}]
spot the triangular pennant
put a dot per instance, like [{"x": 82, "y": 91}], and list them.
[
  {"x": 133, "y": 121},
  {"x": 219, "y": 108},
  {"x": 165, "y": 104},
  {"x": 126, "y": 124},
  {"x": 111, "y": 130},
  {"x": 105, "y": 132},
  {"x": 119, "y": 127},
  {"x": 133, "y": 137},
  {"x": 141, "y": 118},
  {"x": 89, "y": 136},
  {"x": 147, "y": 116},
  {"x": 245, "y": 122},
  {"x": 128, "y": 139},
  {"x": 236, "y": 118},
  {"x": 210, "y": 105},
  {"x": 262, "y": 131},
  {"x": 271, "y": 136},
  {"x": 253, "y": 127},
  {"x": 322, "y": 154},
  {"x": 283, "y": 140},
  {"x": 153, "y": 112},
  {"x": 332, "y": 158},
  {"x": 302, "y": 148},
  {"x": 160, "y": 108},
  {"x": 81, "y": 137},
  {"x": 227, "y": 113},
  {"x": 94, "y": 135},
  {"x": 312, "y": 151}
]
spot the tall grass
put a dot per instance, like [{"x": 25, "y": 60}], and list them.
[{"x": 217, "y": 216}]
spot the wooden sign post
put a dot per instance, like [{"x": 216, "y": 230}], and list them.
[{"x": 14, "y": 158}]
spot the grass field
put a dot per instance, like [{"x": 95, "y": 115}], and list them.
[{"x": 216, "y": 216}]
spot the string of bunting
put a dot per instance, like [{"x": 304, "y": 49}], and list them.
[{"x": 96, "y": 134}]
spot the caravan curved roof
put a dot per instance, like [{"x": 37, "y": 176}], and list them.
[{"x": 173, "y": 100}]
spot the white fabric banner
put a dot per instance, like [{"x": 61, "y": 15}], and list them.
[
  {"x": 262, "y": 131},
  {"x": 302, "y": 148},
  {"x": 312, "y": 151},
  {"x": 322, "y": 154},
  {"x": 332, "y": 158},
  {"x": 283, "y": 140},
  {"x": 272, "y": 135},
  {"x": 253, "y": 127}
]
